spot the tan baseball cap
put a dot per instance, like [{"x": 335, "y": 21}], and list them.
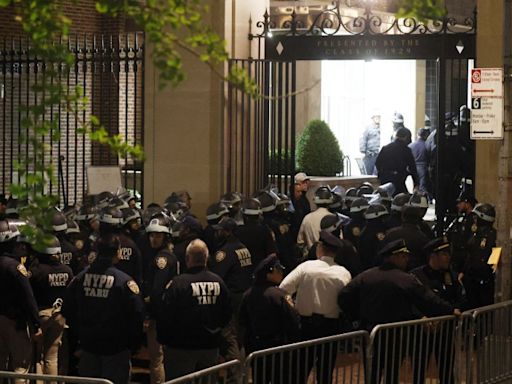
[{"x": 300, "y": 177}]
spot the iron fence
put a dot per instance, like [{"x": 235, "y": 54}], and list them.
[
  {"x": 25, "y": 377},
  {"x": 109, "y": 69},
  {"x": 229, "y": 372},
  {"x": 339, "y": 358}
]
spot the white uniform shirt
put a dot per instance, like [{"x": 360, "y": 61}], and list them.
[
  {"x": 317, "y": 284},
  {"x": 309, "y": 231}
]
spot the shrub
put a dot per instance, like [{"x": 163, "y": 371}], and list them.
[{"x": 318, "y": 151}]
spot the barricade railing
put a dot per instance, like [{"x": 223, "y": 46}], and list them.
[
  {"x": 493, "y": 343},
  {"x": 229, "y": 372},
  {"x": 402, "y": 351},
  {"x": 464, "y": 347},
  {"x": 26, "y": 377},
  {"x": 339, "y": 359}
]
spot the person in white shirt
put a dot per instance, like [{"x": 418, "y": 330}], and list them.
[
  {"x": 316, "y": 284},
  {"x": 310, "y": 227}
]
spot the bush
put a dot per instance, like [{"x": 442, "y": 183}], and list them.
[{"x": 318, "y": 151}]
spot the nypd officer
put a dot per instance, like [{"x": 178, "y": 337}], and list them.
[
  {"x": 49, "y": 279},
  {"x": 387, "y": 294},
  {"x": 196, "y": 306},
  {"x": 269, "y": 319},
  {"x": 317, "y": 284},
  {"x": 105, "y": 306},
  {"x": 438, "y": 276},
  {"x": 19, "y": 320}
]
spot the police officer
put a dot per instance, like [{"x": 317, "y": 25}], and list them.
[
  {"x": 398, "y": 123},
  {"x": 214, "y": 213},
  {"x": 105, "y": 306},
  {"x": 161, "y": 267},
  {"x": 420, "y": 202},
  {"x": 395, "y": 217},
  {"x": 438, "y": 276},
  {"x": 19, "y": 319},
  {"x": 316, "y": 284},
  {"x": 70, "y": 255},
  {"x": 352, "y": 230},
  {"x": 233, "y": 200},
  {"x": 254, "y": 234},
  {"x": 350, "y": 196},
  {"x": 288, "y": 251},
  {"x": 369, "y": 143},
  {"x": 387, "y": 294},
  {"x": 310, "y": 228},
  {"x": 132, "y": 224},
  {"x": 196, "y": 306},
  {"x": 49, "y": 279},
  {"x": 419, "y": 151},
  {"x": 190, "y": 229},
  {"x": 269, "y": 319},
  {"x": 373, "y": 235},
  {"x": 130, "y": 258},
  {"x": 478, "y": 276},
  {"x": 395, "y": 162},
  {"x": 414, "y": 238},
  {"x": 461, "y": 229}
]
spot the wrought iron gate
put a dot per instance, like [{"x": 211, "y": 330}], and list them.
[
  {"x": 109, "y": 69},
  {"x": 259, "y": 141}
]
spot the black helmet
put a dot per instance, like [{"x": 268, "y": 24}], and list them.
[
  {"x": 178, "y": 208},
  {"x": 384, "y": 192},
  {"x": 268, "y": 201},
  {"x": 351, "y": 194},
  {"x": 375, "y": 211},
  {"x": 331, "y": 223},
  {"x": 111, "y": 216},
  {"x": 399, "y": 201},
  {"x": 85, "y": 213},
  {"x": 486, "y": 212},
  {"x": 8, "y": 230},
  {"x": 359, "y": 205},
  {"x": 130, "y": 214},
  {"x": 230, "y": 199},
  {"x": 418, "y": 200},
  {"x": 118, "y": 203},
  {"x": 102, "y": 199},
  {"x": 72, "y": 227},
  {"x": 251, "y": 207},
  {"x": 59, "y": 221},
  {"x": 282, "y": 199},
  {"x": 51, "y": 246},
  {"x": 337, "y": 197},
  {"x": 364, "y": 189},
  {"x": 215, "y": 211},
  {"x": 159, "y": 224},
  {"x": 323, "y": 196}
]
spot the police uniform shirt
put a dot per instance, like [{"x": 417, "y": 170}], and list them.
[
  {"x": 130, "y": 259},
  {"x": 309, "y": 231},
  {"x": 70, "y": 254},
  {"x": 352, "y": 231},
  {"x": 317, "y": 283},
  {"x": 259, "y": 240},
  {"x": 371, "y": 241},
  {"x": 196, "y": 306},
  {"x": 17, "y": 300},
  {"x": 233, "y": 263},
  {"x": 268, "y": 314},
  {"x": 443, "y": 283},
  {"x": 49, "y": 279},
  {"x": 386, "y": 294},
  {"x": 286, "y": 246},
  {"x": 479, "y": 249},
  {"x": 105, "y": 307}
]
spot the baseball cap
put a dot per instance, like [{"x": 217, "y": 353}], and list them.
[{"x": 300, "y": 177}]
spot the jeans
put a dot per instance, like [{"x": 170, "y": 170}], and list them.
[{"x": 369, "y": 164}]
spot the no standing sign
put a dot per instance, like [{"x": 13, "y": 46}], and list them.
[{"x": 487, "y": 103}]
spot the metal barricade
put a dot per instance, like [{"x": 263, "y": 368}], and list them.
[
  {"x": 229, "y": 372},
  {"x": 402, "y": 351},
  {"x": 338, "y": 359},
  {"x": 26, "y": 377},
  {"x": 493, "y": 343},
  {"x": 464, "y": 347}
]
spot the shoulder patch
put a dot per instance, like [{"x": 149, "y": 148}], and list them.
[
  {"x": 356, "y": 231},
  {"x": 381, "y": 236},
  {"x": 132, "y": 286},
  {"x": 474, "y": 228},
  {"x": 170, "y": 247},
  {"x": 289, "y": 300},
  {"x": 79, "y": 244},
  {"x": 483, "y": 243},
  {"x": 21, "y": 269},
  {"x": 91, "y": 257},
  {"x": 284, "y": 228},
  {"x": 161, "y": 262},
  {"x": 219, "y": 256}
]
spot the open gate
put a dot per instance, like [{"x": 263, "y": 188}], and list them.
[{"x": 259, "y": 142}]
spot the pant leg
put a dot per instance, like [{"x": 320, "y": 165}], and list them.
[
  {"x": 156, "y": 355},
  {"x": 206, "y": 358},
  {"x": 230, "y": 349},
  {"x": 117, "y": 368},
  {"x": 89, "y": 365},
  {"x": 19, "y": 346},
  {"x": 52, "y": 328},
  {"x": 178, "y": 362}
]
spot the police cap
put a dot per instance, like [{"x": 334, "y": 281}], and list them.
[
  {"x": 437, "y": 245},
  {"x": 467, "y": 197},
  {"x": 393, "y": 248},
  {"x": 331, "y": 241},
  {"x": 267, "y": 265},
  {"x": 226, "y": 223}
]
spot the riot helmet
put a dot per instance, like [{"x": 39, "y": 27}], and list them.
[
  {"x": 323, "y": 196},
  {"x": 375, "y": 211},
  {"x": 486, "y": 212},
  {"x": 215, "y": 212},
  {"x": 399, "y": 201},
  {"x": 359, "y": 205}
]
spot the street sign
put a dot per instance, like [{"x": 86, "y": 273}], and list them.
[{"x": 487, "y": 103}]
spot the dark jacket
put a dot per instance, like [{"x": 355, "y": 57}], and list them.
[
  {"x": 259, "y": 240},
  {"x": 196, "y": 306},
  {"x": 104, "y": 306},
  {"x": 49, "y": 279},
  {"x": 394, "y": 163},
  {"x": 414, "y": 239}
]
